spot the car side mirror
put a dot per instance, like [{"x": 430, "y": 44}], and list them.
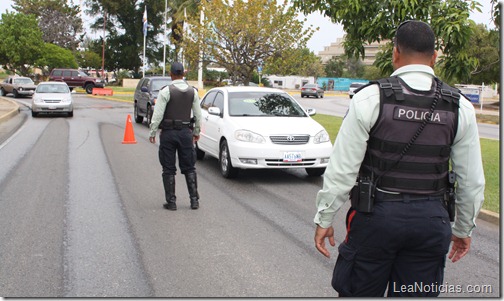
[
  {"x": 311, "y": 111},
  {"x": 144, "y": 89},
  {"x": 214, "y": 111}
]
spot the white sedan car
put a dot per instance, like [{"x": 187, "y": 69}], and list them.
[
  {"x": 260, "y": 128},
  {"x": 52, "y": 97}
]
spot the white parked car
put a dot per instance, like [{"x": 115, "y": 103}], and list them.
[
  {"x": 52, "y": 97},
  {"x": 260, "y": 128}
]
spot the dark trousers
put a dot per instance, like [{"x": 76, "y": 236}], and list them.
[
  {"x": 401, "y": 245},
  {"x": 177, "y": 142}
]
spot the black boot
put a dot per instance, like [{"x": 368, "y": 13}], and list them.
[
  {"x": 192, "y": 187},
  {"x": 169, "y": 187}
]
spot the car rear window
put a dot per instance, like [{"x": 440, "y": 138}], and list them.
[
  {"x": 356, "y": 85},
  {"x": 263, "y": 104},
  {"x": 309, "y": 86},
  {"x": 157, "y": 84}
]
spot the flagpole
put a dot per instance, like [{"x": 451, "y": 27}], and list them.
[
  {"x": 144, "y": 57},
  {"x": 145, "y": 37},
  {"x": 200, "y": 63},
  {"x": 164, "y": 39}
]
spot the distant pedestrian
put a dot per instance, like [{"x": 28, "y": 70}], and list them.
[
  {"x": 399, "y": 139},
  {"x": 172, "y": 114}
]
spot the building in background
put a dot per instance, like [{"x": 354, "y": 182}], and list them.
[{"x": 336, "y": 49}]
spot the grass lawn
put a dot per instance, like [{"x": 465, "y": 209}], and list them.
[{"x": 489, "y": 151}]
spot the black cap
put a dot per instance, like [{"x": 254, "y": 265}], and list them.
[{"x": 177, "y": 68}]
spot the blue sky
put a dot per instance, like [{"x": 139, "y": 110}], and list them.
[{"x": 329, "y": 31}]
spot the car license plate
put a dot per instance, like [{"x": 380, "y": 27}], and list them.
[
  {"x": 52, "y": 108},
  {"x": 292, "y": 157}
]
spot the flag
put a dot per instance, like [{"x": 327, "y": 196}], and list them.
[{"x": 145, "y": 22}]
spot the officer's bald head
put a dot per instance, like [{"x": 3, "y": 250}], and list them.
[{"x": 415, "y": 38}]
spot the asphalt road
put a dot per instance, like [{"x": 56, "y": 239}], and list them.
[{"x": 81, "y": 216}]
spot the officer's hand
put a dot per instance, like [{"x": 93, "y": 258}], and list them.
[
  {"x": 460, "y": 248},
  {"x": 320, "y": 236},
  {"x": 195, "y": 138},
  {"x": 152, "y": 139}
]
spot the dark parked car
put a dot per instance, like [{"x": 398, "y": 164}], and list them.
[
  {"x": 312, "y": 90},
  {"x": 75, "y": 78},
  {"x": 145, "y": 96}
]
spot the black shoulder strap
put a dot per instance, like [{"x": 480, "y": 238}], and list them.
[{"x": 391, "y": 86}]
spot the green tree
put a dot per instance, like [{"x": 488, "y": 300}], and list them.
[
  {"x": 125, "y": 37},
  {"x": 296, "y": 61},
  {"x": 241, "y": 35},
  {"x": 21, "y": 44},
  {"x": 178, "y": 10},
  {"x": 334, "y": 67},
  {"x": 60, "y": 22},
  {"x": 367, "y": 21},
  {"x": 373, "y": 72},
  {"x": 53, "y": 56},
  {"x": 484, "y": 46},
  {"x": 89, "y": 59}
]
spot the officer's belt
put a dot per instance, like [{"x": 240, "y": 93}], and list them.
[
  {"x": 169, "y": 124},
  {"x": 381, "y": 196}
]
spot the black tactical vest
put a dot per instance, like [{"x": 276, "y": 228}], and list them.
[
  {"x": 423, "y": 168},
  {"x": 178, "y": 109}
]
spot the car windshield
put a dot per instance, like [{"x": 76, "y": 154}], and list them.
[
  {"x": 81, "y": 73},
  {"x": 159, "y": 83},
  {"x": 23, "y": 81},
  {"x": 52, "y": 89},
  {"x": 309, "y": 86},
  {"x": 356, "y": 85},
  {"x": 263, "y": 104}
]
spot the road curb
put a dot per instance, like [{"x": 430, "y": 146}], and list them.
[
  {"x": 489, "y": 216},
  {"x": 13, "y": 112}
]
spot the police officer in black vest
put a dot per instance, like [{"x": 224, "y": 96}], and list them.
[
  {"x": 179, "y": 132},
  {"x": 392, "y": 156}
]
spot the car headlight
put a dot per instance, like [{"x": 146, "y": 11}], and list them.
[
  {"x": 38, "y": 100},
  {"x": 248, "y": 136},
  {"x": 321, "y": 137},
  {"x": 98, "y": 80},
  {"x": 66, "y": 100},
  {"x": 20, "y": 88}
]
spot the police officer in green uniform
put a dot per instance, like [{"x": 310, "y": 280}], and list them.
[
  {"x": 179, "y": 132},
  {"x": 398, "y": 139}
]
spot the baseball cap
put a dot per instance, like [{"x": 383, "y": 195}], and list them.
[{"x": 177, "y": 68}]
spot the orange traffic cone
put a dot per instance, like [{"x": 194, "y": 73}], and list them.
[{"x": 129, "y": 135}]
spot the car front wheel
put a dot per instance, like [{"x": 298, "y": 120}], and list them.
[
  {"x": 89, "y": 88},
  {"x": 315, "y": 172},
  {"x": 226, "y": 168},
  {"x": 2, "y": 92}
]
